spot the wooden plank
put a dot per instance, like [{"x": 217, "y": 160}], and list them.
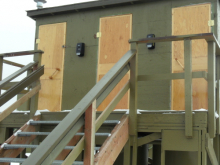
[
  {"x": 19, "y": 102},
  {"x": 79, "y": 147},
  {"x": 90, "y": 116},
  {"x": 211, "y": 90},
  {"x": 127, "y": 153},
  {"x": 13, "y": 63},
  {"x": 149, "y": 138},
  {"x": 13, "y": 54},
  {"x": 188, "y": 88},
  {"x": 113, "y": 144},
  {"x": 187, "y": 21},
  {"x": 133, "y": 106},
  {"x": 52, "y": 37},
  {"x": 218, "y": 93},
  {"x": 18, "y": 140},
  {"x": 115, "y": 32},
  {"x": 171, "y": 76},
  {"x": 210, "y": 150}
]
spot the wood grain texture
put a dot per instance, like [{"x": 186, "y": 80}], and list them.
[
  {"x": 13, "y": 153},
  {"x": 52, "y": 37},
  {"x": 190, "y": 20},
  {"x": 90, "y": 116},
  {"x": 113, "y": 44},
  {"x": 113, "y": 144}
]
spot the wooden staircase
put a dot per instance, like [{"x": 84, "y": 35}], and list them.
[{"x": 22, "y": 139}]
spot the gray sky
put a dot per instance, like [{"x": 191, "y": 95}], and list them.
[{"x": 17, "y": 31}]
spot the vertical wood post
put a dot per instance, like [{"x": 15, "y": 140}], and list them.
[
  {"x": 188, "y": 88},
  {"x": 34, "y": 99},
  {"x": 1, "y": 69},
  {"x": 133, "y": 106},
  {"x": 90, "y": 116},
  {"x": 127, "y": 153},
  {"x": 211, "y": 90},
  {"x": 218, "y": 93}
]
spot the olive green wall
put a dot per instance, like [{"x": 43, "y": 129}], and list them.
[{"x": 150, "y": 17}]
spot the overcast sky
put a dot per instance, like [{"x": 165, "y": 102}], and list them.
[{"x": 17, "y": 31}]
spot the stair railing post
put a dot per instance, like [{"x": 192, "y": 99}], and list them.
[
  {"x": 1, "y": 69},
  {"x": 34, "y": 99},
  {"x": 133, "y": 106},
  {"x": 90, "y": 116},
  {"x": 188, "y": 88},
  {"x": 211, "y": 89}
]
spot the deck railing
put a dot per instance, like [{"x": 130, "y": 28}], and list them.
[
  {"x": 188, "y": 75},
  {"x": 14, "y": 88}
]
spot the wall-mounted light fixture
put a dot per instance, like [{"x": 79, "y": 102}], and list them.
[
  {"x": 80, "y": 49},
  {"x": 40, "y": 3},
  {"x": 151, "y": 45}
]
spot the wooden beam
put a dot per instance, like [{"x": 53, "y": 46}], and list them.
[
  {"x": 90, "y": 116},
  {"x": 13, "y": 63},
  {"x": 113, "y": 144},
  {"x": 188, "y": 88},
  {"x": 13, "y": 54},
  {"x": 149, "y": 138},
  {"x": 211, "y": 151},
  {"x": 211, "y": 90},
  {"x": 18, "y": 140},
  {"x": 171, "y": 76},
  {"x": 133, "y": 105},
  {"x": 19, "y": 102}
]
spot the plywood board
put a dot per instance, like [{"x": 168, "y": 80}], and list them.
[
  {"x": 190, "y": 20},
  {"x": 113, "y": 44},
  {"x": 52, "y": 37}
]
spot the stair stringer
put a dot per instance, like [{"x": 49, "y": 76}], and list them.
[
  {"x": 13, "y": 153},
  {"x": 113, "y": 145}
]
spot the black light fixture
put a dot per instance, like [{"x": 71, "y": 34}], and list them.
[
  {"x": 151, "y": 45},
  {"x": 80, "y": 49}
]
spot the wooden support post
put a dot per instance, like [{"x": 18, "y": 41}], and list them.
[
  {"x": 218, "y": 93},
  {"x": 127, "y": 153},
  {"x": 90, "y": 116},
  {"x": 1, "y": 69},
  {"x": 133, "y": 105},
  {"x": 188, "y": 88},
  {"x": 211, "y": 90}
]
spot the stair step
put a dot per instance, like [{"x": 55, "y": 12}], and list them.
[
  {"x": 21, "y": 160},
  {"x": 47, "y": 133},
  {"x": 16, "y": 146},
  {"x": 57, "y": 122}
]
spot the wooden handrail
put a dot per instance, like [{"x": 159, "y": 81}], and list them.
[
  {"x": 43, "y": 152},
  {"x": 13, "y": 63},
  {"x": 19, "y": 102},
  {"x": 207, "y": 36},
  {"x": 13, "y": 54},
  {"x": 17, "y": 73}
]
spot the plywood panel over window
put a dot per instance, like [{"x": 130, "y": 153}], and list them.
[
  {"x": 113, "y": 44},
  {"x": 190, "y": 20},
  {"x": 52, "y": 37}
]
